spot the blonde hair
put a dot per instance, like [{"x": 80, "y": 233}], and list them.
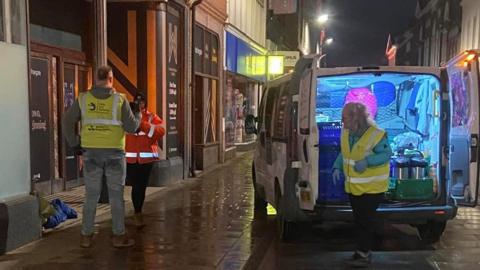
[{"x": 357, "y": 115}]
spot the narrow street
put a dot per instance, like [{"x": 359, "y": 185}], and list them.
[{"x": 209, "y": 223}]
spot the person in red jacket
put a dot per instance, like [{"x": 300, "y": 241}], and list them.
[{"x": 141, "y": 151}]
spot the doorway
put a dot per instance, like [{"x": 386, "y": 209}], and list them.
[{"x": 57, "y": 76}]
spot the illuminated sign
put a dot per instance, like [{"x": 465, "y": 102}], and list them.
[{"x": 275, "y": 64}]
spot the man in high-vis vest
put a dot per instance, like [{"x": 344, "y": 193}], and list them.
[
  {"x": 105, "y": 116},
  {"x": 364, "y": 161}
]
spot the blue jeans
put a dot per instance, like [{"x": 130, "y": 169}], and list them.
[{"x": 112, "y": 164}]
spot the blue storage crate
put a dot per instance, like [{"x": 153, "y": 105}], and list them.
[
  {"x": 327, "y": 191},
  {"x": 329, "y": 133},
  {"x": 328, "y": 150},
  {"x": 327, "y": 155}
]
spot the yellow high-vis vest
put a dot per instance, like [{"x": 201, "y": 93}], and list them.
[
  {"x": 101, "y": 121},
  {"x": 374, "y": 179}
]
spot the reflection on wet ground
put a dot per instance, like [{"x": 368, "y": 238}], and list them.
[{"x": 209, "y": 223}]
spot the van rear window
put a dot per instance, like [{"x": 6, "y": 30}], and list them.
[{"x": 387, "y": 96}]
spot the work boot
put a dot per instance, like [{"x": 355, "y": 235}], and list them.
[
  {"x": 122, "y": 241},
  {"x": 86, "y": 240},
  {"x": 139, "y": 220}
]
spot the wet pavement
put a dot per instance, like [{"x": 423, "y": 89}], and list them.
[{"x": 209, "y": 223}]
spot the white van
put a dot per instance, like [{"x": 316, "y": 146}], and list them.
[{"x": 431, "y": 119}]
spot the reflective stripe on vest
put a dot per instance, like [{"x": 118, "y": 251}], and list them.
[
  {"x": 148, "y": 155},
  {"x": 141, "y": 155},
  {"x": 363, "y": 180},
  {"x": 130, "y": 155}
]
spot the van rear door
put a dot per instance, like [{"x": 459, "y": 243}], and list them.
[
  {"x": 464, "y": 127},
  {"x": 307, "y": 185}
]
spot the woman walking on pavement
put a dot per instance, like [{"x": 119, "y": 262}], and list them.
[
  {"x": 364, "y": 160},
  {"x": 141, "y": 152}
]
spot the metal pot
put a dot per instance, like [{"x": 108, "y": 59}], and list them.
[
  {"x": 400, "y": 168},
  {"x": 418, "y": 167}
]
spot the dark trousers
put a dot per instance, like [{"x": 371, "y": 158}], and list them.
[
  {"x": 365, "y": 213},
  {"x": 138, "y": 175}
]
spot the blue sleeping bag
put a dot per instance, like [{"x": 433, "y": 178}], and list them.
[{"x": 63, "y": 212}]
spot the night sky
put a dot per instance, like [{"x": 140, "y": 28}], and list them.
[{"x": 360, "y": 29}]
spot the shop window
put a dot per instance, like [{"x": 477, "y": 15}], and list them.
[
  {"x": 215, "y": 46},
  {"x": 206, "y": 106},
  {"x": 198, "y": 48},
  {"x": 210, "y": 132},
  {"x": 207, "y": 62},
  {"x": 206, "y": 51},
  {"x": 2, "y": 31},
  {"x": 18, "y": 21}
]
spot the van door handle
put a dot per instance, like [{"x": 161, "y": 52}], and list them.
[{"x": 305, "y": 153}]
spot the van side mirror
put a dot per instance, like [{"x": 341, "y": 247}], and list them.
[{"x": 251, "y": 124}]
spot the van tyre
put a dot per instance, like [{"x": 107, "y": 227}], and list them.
[
  {"x": 259, "y": 202},
  {"x": 285, "y": 228},
  {"x": 431, "y": 231}
]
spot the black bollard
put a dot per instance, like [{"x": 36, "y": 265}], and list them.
[{"x": 104, "y": 192}]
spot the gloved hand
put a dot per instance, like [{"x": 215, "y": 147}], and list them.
[
  {"x": 360, "y": 165},
  {"x": 78, "y": 150},
  {"x": 135, "y": 106},
  {"x": 335, "y": 176}
]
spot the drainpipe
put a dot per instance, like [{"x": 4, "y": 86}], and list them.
[
  {"x": 29, "y": 79},
  {"x": 100, "y": 34},
  {"x": 192, "y": 87}
]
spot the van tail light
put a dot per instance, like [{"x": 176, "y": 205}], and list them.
[{"x": 470, "y": 57}]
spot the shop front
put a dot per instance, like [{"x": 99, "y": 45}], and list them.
[
  {"x": 207, "y": 85},
  {"x": 61, "y": 57},
  {"x": 206, "y": 139},
  {"x": 245, "y": 81},
  {"x": 146, "y": 49}
]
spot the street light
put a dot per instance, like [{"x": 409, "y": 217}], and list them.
[{"x": 322, "y": 18}]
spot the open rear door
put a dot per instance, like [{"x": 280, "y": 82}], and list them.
[
  {"x": 307, "y": 185},
  {"x": 464, "y": 128}
]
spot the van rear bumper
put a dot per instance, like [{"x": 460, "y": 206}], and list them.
[{"x": 405, "y": 215}]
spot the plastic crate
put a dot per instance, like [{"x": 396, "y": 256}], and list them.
[
  {"x": 327, "y": 154},
  {"x": 329, "y": 133},
  {"x": 411, "y": 189},
  {"x": 327, "y": 191}
]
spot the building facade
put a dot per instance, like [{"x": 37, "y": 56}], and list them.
[
  {"x": 19, "y": 220},
  {"x": 470, "y": 37},
  {"x": 51, "y": 49},
  {"x": 208, "y": 53},
  {"x": 245, "y": 65},
  {"x": 434, "y": 37}
]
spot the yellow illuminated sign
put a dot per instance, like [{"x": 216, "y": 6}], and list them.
[
  {"x": 256, "y": 65},
  {"x": 275, "y": 64}
]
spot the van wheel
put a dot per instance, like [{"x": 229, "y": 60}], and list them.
[
  {"x": 258, "y": 202},
  {"x": 284, "y": 227},
  {"x": 431, "y": 231}
]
